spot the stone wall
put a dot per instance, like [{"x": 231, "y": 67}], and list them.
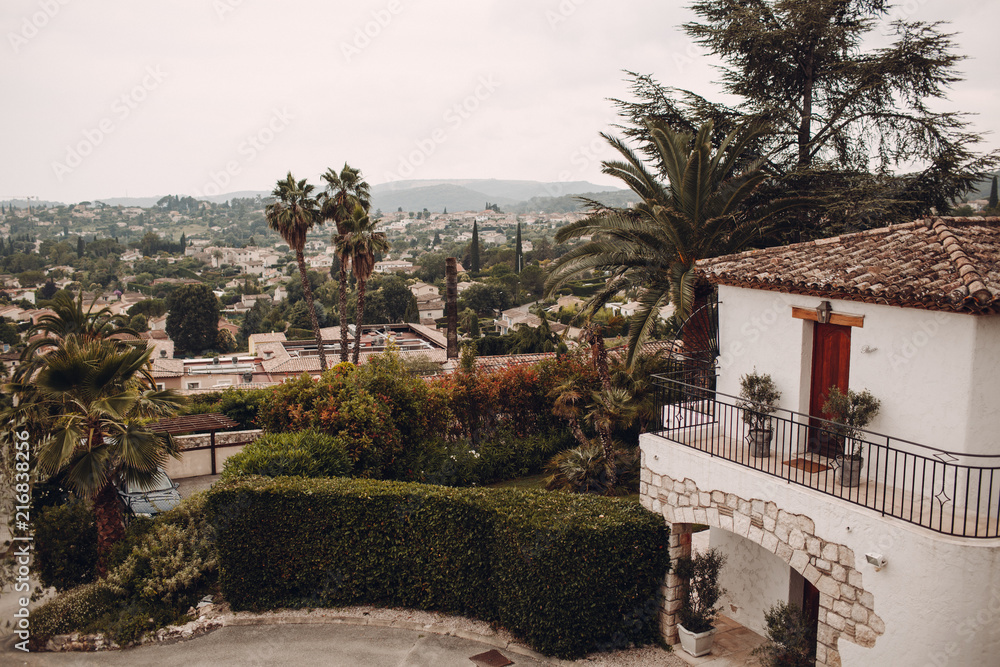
[{"x": 846, "y": 608}]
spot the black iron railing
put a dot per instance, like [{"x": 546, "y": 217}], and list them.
[{"x": 948, "y": 492}]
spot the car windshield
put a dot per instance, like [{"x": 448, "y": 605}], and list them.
[{"x": 160, "y": 482}]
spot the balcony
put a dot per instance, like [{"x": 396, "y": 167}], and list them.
[{"x": 951, "y": 493}]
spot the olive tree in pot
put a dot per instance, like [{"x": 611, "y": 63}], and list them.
[
  {"x": 758, "y": 398},
  {"x": 851, "y": 412},
  {"x": 790, "y": 642},
  {"x": 698, "y": 606}
]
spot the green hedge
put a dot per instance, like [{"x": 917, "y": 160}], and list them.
[
  {"x": 303, "y": 454},
  {"x": 568, "y": 573}
]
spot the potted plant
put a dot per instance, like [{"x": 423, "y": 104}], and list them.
[
  {"x": 789, "y": 641},
  {"x": 698, "y": 606},
  {"x": 758, "y": 398},
  {"x": 851, "y": 412}
]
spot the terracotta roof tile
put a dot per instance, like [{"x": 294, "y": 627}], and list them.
[{"x": 937, "y": 263}]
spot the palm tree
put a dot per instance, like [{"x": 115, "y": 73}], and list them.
[
  {"x": 655, "y": 246},
  {"x": 359, "y": 243},
  {"x": 68, "y": 318},
  {"x": 567, "y": 398},
  {"x": 344, "y": 191},
  {"x": 292, "y": 215},
  {"x": 91, "y": 397}
]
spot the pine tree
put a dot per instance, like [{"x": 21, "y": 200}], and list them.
[
  {"x": 518, "y": 252},
  {"x": 474, "y": 253},
  {"x": 992, "y": 205}
]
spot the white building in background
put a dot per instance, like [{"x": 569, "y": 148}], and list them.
[{"x": 900, "y": 569}]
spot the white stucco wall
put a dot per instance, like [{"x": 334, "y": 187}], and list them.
[
  {"x": 752, "y": 574},
  {"x": 937, "y": 374},
  {"x": 938, "y": 596}
]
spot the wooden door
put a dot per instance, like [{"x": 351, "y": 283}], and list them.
[{"x": 831, "y": 365}]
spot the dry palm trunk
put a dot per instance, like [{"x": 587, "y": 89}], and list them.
[
  {"x": 110, "y": 526},
  {"x": 307, "y": 291},
  {"x": 343, "y": 309},
  {"x": 359, "y": 318},
  {"x": 599, "y": 356}
]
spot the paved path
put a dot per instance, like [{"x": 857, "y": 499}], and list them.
[{"x": 299, "y": 645}]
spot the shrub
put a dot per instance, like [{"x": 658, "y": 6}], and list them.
[
  {"x": 172, "y": 566},
  {"x": 65, "y": 546},
  {"x": 502, "y": 457},
  {"x": 240, "y": 405},
  {"x": 73, "y": 610},
  {"x": 305, "y": 454},
  {"x": 568, "y": 573},
  {"x": 789, "y": 638},
  {"x": 583, "y": 470}
]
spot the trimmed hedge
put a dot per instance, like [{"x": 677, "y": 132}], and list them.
[
  {"x": 302, "y": 454},
  {"x": 568, "y": 573}
]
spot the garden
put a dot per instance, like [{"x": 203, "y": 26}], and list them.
[{"x": 376, "y": 446}]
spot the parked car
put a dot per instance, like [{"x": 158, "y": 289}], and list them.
[{"x": 157, "y": 497}]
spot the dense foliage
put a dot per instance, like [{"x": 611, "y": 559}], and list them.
[
  {"x": 303, "y": 454},
  {"x": 193, "y": 318},
  {"x": 568, "y": 573},
  {"x": 65, "y": 546},
  {"x": 171, "y": 566},
  {"x": 844, "y": 114}
]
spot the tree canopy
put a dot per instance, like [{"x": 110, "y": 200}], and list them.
[
  {"x": 852, "y": 126},
  {"x": 193, "y": 318}
]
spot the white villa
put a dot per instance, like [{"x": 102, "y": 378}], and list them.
[{"x": 904, "y": 568}]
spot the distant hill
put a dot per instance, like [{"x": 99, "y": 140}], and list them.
[
  {"x": 149, "y": 202},
  {"x": 471, "y": 194},
  {"x": 436, "y": 198},
  {"x": 23, "y": 203},
  {"x": 982, "y": 189},
  {"x": 434, "y": 195},
  {"x": 569, "y": 203}
]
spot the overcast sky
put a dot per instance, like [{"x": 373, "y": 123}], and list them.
[{"x": 119, "y": 97}]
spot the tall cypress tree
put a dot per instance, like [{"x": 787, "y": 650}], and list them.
[
  {"x": 80, "y": 246},
  {"x": 518, "y": 253},
  {"x": 992, "y": 205},
  {"x": 474, "y": 252}
]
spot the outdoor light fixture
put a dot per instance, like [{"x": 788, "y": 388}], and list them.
[
  {"x": 823, "y": 311},
  {"x": 878, "y": 560}
]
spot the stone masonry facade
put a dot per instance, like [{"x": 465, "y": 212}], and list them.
[{"x": 847, "y": 610}]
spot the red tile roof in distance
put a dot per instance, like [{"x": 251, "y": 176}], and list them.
[{"x": 937, "y": 263}]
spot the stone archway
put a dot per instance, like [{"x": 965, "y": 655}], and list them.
[{"x": 846, "y": 608}]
